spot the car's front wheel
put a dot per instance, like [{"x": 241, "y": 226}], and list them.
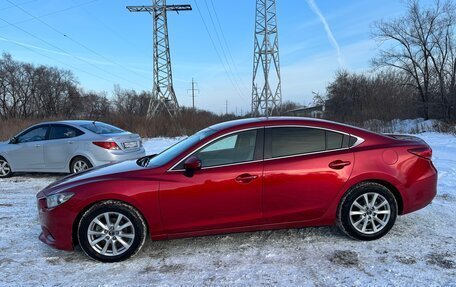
[
  {"x": 5, "y": 168},
  {"x": 111, "y": 231},
  {"x": 367, "y": 212}
]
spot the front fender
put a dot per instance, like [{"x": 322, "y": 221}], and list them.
[
  {"x": 5, "y": 149},
  {"x": 140, "y": 194}
]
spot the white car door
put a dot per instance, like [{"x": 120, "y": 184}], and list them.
[
  {"x": 60, "y": 147},
  {"x": 28, "y": 155}
]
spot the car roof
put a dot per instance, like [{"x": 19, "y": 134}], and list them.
[
  {"x": 71, "y": 122},
  {"x": 274, "y": 120},
  {"x": 373, "y": 137}
]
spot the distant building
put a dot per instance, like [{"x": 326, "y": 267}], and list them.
[{"x": 312, "y": 112}]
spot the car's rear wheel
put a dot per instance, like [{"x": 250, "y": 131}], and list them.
[
  {"x": 79, "y": 164},
  {"x": 5, "y": 168},
  {"x": 111, "y": 231},
  {"x": 367, "y": 212}
]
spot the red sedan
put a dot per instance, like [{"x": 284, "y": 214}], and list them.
[{"x": 244, "y": 175}]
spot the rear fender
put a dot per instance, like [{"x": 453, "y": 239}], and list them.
[
  {"x": 83, "y": 154},
  {"x": 368, "y": 176}
]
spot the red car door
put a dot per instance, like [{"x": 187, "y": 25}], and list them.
[
  {"x": 304, "y": 169},
  {"x": 225, "y": 193}
]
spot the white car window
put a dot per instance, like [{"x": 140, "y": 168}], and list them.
[{"x": 36, "y": 134}]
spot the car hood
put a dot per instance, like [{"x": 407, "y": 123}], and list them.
[{"x": 100, "y": 173}]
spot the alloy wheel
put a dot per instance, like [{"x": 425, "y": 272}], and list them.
[
  {"x": 5, "y": 169},
  {"x": 79, "y": 166},
  {"x": 111, "y": 234},
  {"x": 370, "y": 213}
]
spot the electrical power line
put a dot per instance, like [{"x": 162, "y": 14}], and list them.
[
  {"x": 222, "y": 46},
  {"x": 48, "y": 14},
  {"x": 30, "y": 48},
  {"x": 78, "y": 43},
  {"x": 23, "y": 3},
  {"x": 63, "y": 51},
  {"x": 123, "y": 39},
  {"x": 227, "y": 46},
  {"x": 217, "y": 52}
]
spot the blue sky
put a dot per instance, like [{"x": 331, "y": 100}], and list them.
[{"x": 104, "y": 44}]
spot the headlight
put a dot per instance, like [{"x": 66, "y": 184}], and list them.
[{"x": 57, "y": 199}]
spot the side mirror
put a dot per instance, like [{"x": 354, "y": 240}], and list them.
[
  {"x": 13, "y": 140},
  {"x": 192, "y": 164}
]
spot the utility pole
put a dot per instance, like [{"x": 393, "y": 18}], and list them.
[
  {"x": 226, "y": 107},
  {"x": 163, "y": 96},
  {"x": 193, "y": 90},
  {"x": 266, "y": 84}
]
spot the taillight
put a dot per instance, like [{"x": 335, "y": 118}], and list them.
[
  {"x": 107, "y": 145},
  {"x": 424, "y": 152}
]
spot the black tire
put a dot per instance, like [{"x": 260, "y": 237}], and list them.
[
  {"x": 138, "y": 229},
  {"x": 77, "y": 162},
  {"x": 371, "y": 218},
  {"x": 5, "y": 168}
]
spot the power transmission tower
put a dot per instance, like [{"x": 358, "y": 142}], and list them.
[
  {"x": 266, "y": 84},
  {"x": 163, "y": 96},
  {"x": 193, "y": 90}
]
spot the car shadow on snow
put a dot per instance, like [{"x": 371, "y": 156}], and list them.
[
  {"x": 232, "y": 243},
  {"x": 23, "y": 176}
]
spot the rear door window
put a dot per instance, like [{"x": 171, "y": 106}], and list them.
[
  {"x": 295, "y": 140},
  {"x": 289, "y": 141},
  {"x": 335, "y": 140},
  {"x": 63, "y": 132}
]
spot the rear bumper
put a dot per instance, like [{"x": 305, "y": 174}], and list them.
[
  {"x": 105, "y": 156},
  {"x": 56, "y": 226},
  {"x": 420, "y": 193}
]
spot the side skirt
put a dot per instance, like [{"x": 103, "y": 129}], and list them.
[{"x": 286, "y": 225}]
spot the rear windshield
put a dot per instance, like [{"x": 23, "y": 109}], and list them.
[{"x": 102, "y": 128}]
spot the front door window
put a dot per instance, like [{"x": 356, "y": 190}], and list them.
[
  {"x": 36, "y": 134},
  {"x": 235, "y": 148}
]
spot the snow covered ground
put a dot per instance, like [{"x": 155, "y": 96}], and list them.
[{"x": 419, "y": 250}]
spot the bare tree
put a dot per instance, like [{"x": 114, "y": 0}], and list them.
[
  {"x": 356, "y": 98},
  {"x": 421, "y": 44}
]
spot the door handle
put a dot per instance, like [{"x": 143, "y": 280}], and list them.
[
  {"x": 70, "y": 142},
  {"x": 338, "y": 164},
  {"x": 37, "y": 145},
  {"x": 246, "y": 178}
]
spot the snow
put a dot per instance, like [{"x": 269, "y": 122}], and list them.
[
  {"x": 156, "y": 145},
  {"x": 409, "y": 126},
  {"x": 419, "y": 250}
]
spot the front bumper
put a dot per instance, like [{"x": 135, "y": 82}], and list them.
[{"x": 56, "y": 225}]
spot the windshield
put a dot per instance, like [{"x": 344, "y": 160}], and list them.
[
  {"x": 170, "y": 153},
  {"x": 102, "y": 128}
]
